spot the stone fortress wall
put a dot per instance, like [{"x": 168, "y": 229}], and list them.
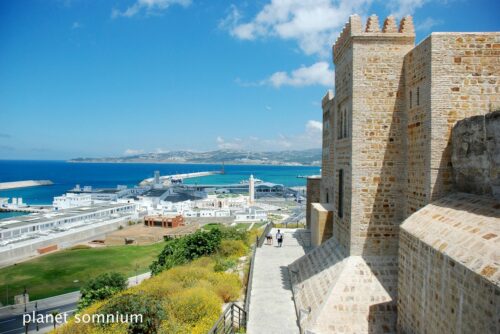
[{"x": 394, "y": 248}]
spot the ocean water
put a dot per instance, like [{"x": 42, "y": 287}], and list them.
[{"x": 66, "y": 175}]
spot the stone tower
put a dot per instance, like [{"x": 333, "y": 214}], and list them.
[
  {"x": 349, "y": 283},
  {"x": 368, "y": 139}
]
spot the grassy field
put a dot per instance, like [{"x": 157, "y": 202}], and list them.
[{"x": 56, "y": 273}]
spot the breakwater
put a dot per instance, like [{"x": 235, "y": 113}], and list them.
[
  {"x": 24, "y": 184},
  {"x": 168, "y": 178}
]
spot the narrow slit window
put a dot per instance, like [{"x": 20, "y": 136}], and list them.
[{"x": 340, "y": 210}]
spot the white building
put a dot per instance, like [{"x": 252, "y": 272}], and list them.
[
  {"x": 251, "y": 214},
  {"x": 16, "y": 229},
  {"x": 110, "y": 194},
  {"x": 207, "y": 213},
  {"x": 71, "y": 200},
  {"x": 216, "y": 202}
]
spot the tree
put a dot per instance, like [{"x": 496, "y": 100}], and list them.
[
  {"x": 190, "y": 247},
  {"x": 101, "y": 287}
]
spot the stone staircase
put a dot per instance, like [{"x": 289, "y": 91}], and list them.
[
  {"x": 353, "y": 294},
  {"x": 312, "y": 276}
]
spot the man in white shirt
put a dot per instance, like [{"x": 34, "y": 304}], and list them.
[{"x": 279, "y": 237}]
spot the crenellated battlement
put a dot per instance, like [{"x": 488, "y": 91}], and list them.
[
  {"x": 390, "y": 25},
  {"x": 355, "y": 28},
  {"x": 406, "y": 25},
  {"x": 327, "y": 98}
]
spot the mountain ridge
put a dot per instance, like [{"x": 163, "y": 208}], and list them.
[{"x": 309, "y": 157}]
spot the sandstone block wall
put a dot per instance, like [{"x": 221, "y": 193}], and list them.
[
  {"x": 327, "y": 166},
  {"x": 417, "y": 126},
  {"x": 465, "y": 83},
  {"x": 448, "y": 77},
  {"x": 312, "y": 196},
  {"x": 476, "y": 154}
]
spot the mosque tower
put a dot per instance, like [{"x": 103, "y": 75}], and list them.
[{"x": 251, "y": 189}]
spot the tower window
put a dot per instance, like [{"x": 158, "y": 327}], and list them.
[
  {"x": 411, "y": 98},
  {"x": 327, "y": 199},
  {"x": 340, "y": 210},
  {"x": 418, "y": 96},
  {"x": 342, "y": 123}
]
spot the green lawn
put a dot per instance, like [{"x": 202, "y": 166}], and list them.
[{"x": 55, "y": 273}]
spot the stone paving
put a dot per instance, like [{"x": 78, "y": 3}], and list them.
[{"x": 272, "y": 309}]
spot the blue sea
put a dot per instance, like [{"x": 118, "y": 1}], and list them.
[{"x": 66, "y": 175}]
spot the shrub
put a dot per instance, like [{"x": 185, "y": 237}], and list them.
[
  {"x": 111, "y": 279},
  {"x": 174, "y": 326},
  {"x": 182, "y": 250},
  {"x": 188, "y": 276},
  {"x": 233, "y": 248},
  {"x": 101, "y": 287},
  {"x": 127, "y": 304},
  {"x": 202, "y": 243},
  {"x": 226, "y": 286},
  {"x": 223, "y": 264},
  {"x": 194, "y": 304},
  {"x": 233, "y": 233},
  {"x": 171, "y": 255}
]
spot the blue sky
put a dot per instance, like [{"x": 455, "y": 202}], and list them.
[{"x": 108, "y": 78}]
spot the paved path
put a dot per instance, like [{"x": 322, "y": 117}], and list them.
[{"x": 272, "y": 309}]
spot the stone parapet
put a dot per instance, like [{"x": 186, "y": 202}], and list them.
[
  {"x": 312, "y": 196},
  {"x": 449, "y": 274},
  {"x": 321, "y": 223}
]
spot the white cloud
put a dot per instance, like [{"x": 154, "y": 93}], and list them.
[
  {"x": 316, "y": 74},
  {"x": 428, "y": 24},
  {"x": 131, "y": 151},
  {"x": 150, "y": 7},
  {"x": 400, "y": 8},
  {"x": 314, "y": 24},
  {"x": 310, "y": 138},
  {"x": 314, "y": 126}
]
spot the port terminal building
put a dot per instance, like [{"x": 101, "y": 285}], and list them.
[{"x": 25, "y": 236}]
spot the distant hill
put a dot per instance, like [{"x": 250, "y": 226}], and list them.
[{"x": 237, "y": 157}]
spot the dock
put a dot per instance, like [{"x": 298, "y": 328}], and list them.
[
  {"x": 24, "y": 184},
  {"x": 169, "y": 178}
]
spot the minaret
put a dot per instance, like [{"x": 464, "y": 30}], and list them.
[{"x": 251, "y": 189}]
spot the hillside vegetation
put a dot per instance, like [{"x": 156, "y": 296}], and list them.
[{"x": 194, "y": 277}]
